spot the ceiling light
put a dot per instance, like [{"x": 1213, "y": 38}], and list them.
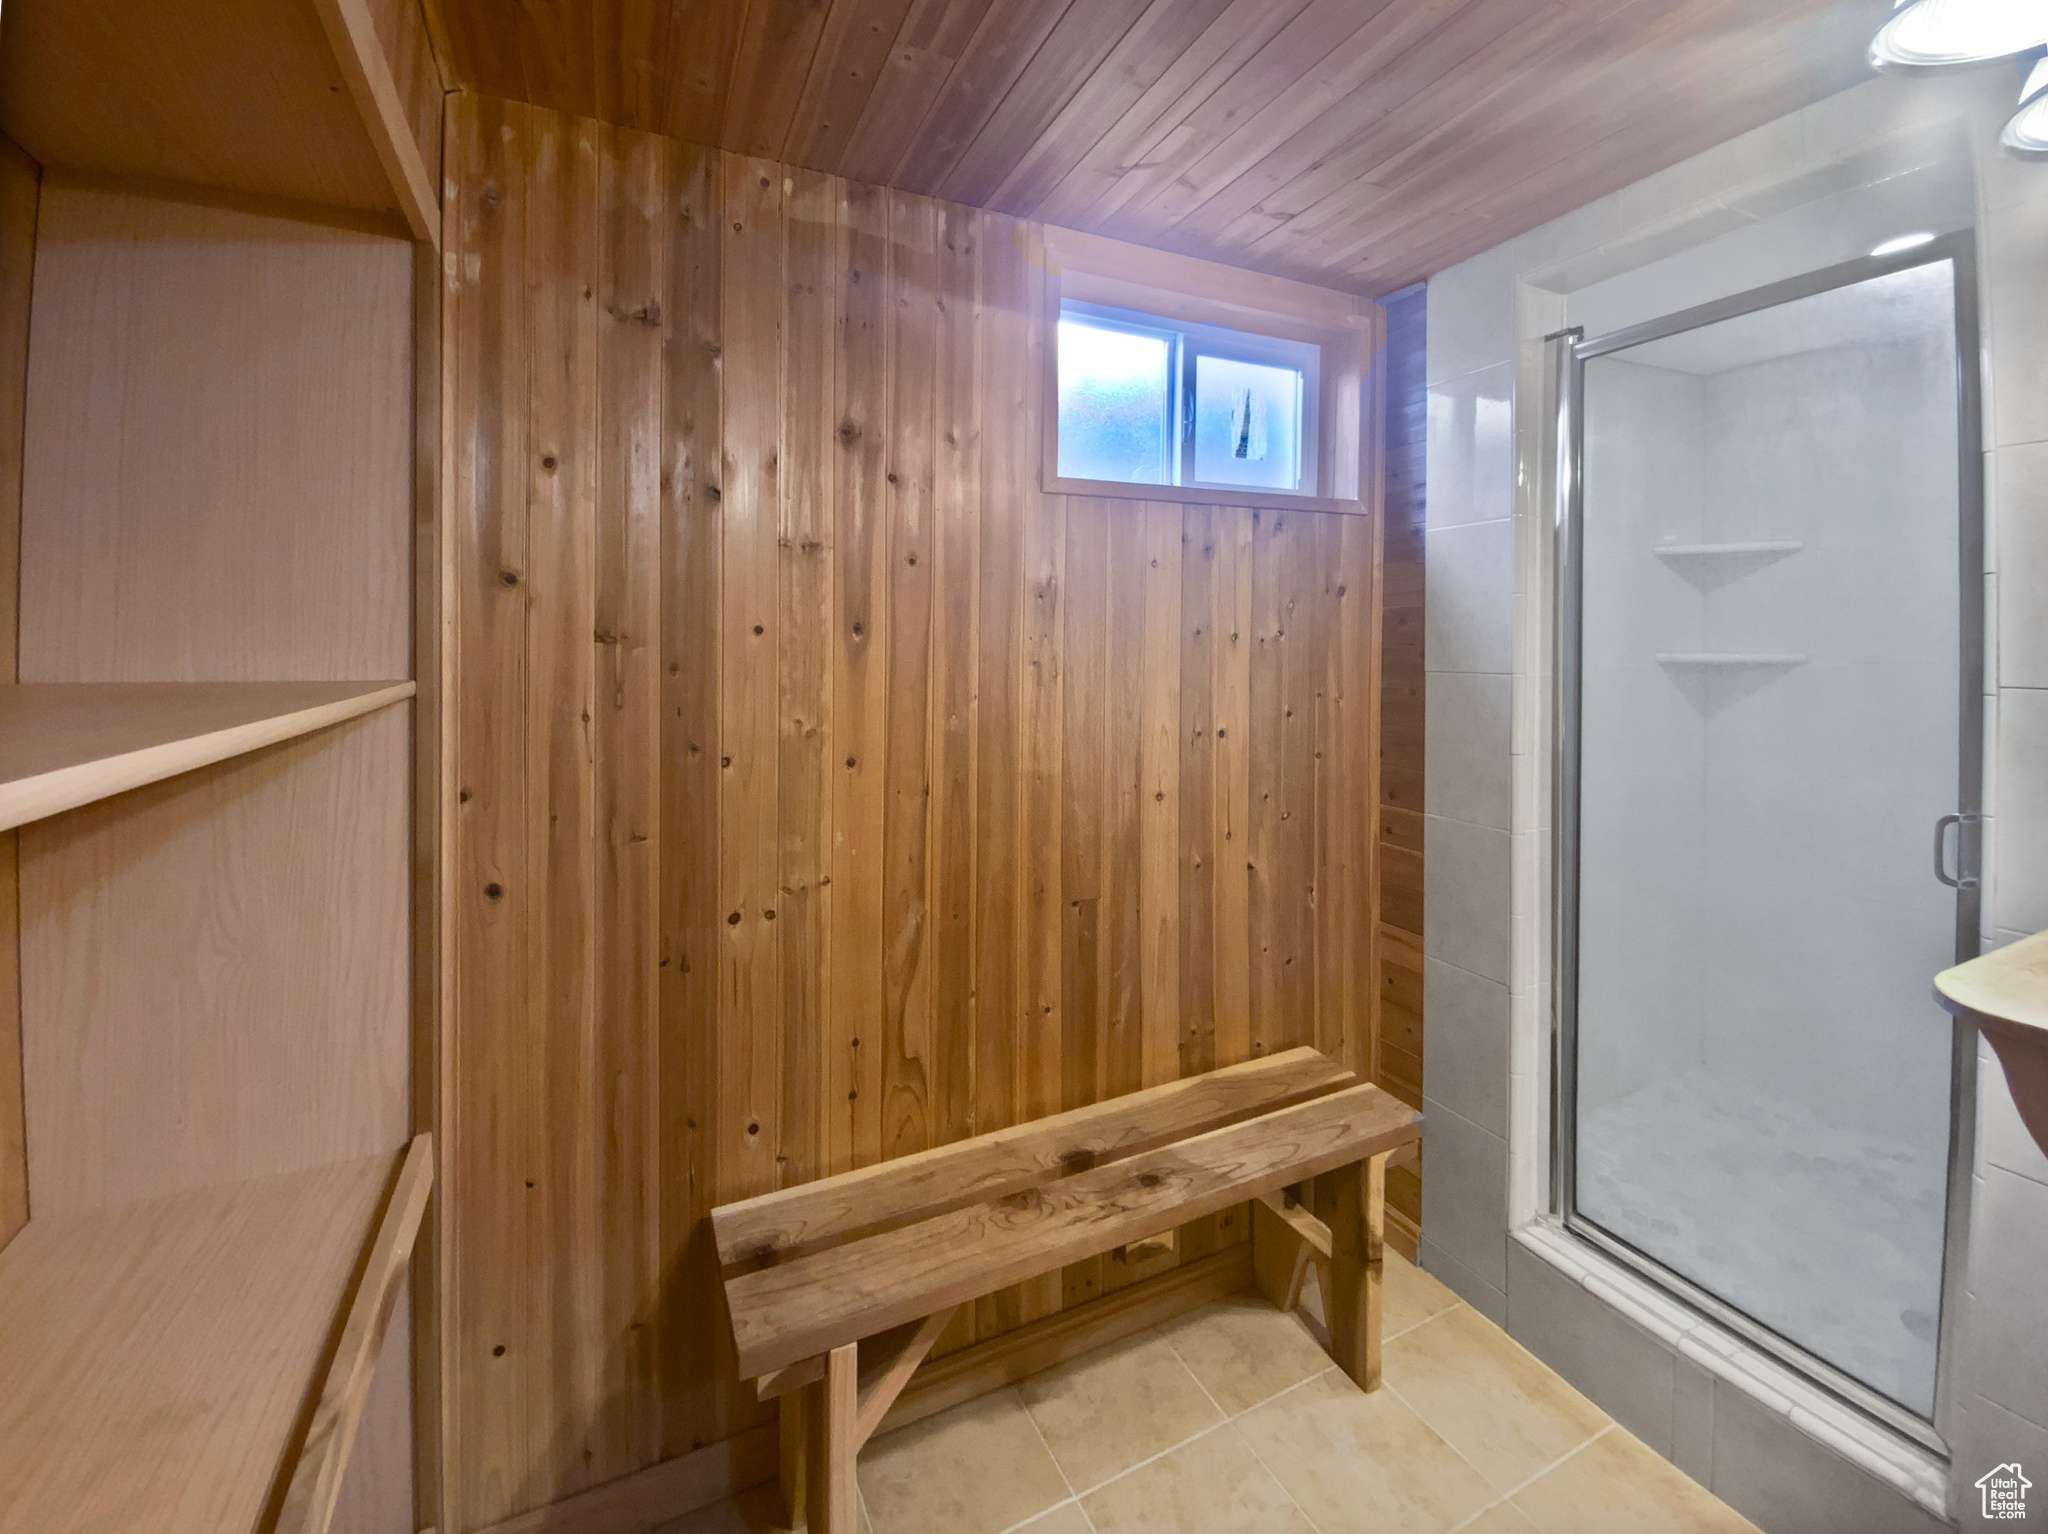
[
  {"x": 1944, "y": 34},
  {"x": 2026, "y": 132},
  {"x": 1903, "y": 242}
]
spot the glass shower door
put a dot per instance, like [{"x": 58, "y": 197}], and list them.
[{"x": 1772, "y": 577}]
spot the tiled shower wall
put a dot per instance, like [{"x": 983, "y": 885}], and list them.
[{"x": 1487, "y": 812}]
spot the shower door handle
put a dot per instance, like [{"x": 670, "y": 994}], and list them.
[{"x": 1961, "y": 880}]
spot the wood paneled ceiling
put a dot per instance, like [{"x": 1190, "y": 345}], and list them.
[{"x": 1361, "y": 144}]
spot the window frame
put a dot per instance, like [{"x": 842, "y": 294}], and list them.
[{"x": 1243, "y": 315}]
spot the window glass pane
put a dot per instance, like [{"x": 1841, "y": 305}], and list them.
[
  {"x": 1116, "y": 404},
  {"x": 1247, "y": 423}
]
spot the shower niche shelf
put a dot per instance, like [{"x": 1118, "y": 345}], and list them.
[
  {"x": 1725, "y": 550},
  {"x": 1710, "y": 659}
]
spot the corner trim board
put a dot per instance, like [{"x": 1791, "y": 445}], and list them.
[{"x": 353, "y": 36}]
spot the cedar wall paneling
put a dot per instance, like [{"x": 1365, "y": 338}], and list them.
[
  {"x": 19, "y": 185},
  {"x": 823, "y": 790},
  {"x": 1401, "y": 727}
]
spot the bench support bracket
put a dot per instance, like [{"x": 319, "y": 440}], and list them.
[{"x": 834, "y": 1411}]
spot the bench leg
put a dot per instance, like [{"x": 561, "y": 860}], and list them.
[
  {"x": 1357, "y": 1235},
  {"x": 790, "y": 1467},
  {"x": 830, "y": 1416}
]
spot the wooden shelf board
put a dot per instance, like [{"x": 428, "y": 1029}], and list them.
[
  {"x": 161, "y": 1356},
  {"x": 2008, "y": 985},
  {"x": 240, "y": 95},
  {"x": 67, "y": 744}
]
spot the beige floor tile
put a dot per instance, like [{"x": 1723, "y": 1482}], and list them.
[
  {"x": 1362, "y": 1464},
  {"x": 1061, "y": 1520},
  {"x": 1503, "y": 1518},
  {"x": 1243, "y": 1351},
  {"x": 1618, "y": 1485},
  {"x": 976, "y": 1469},
  {"x": 1214, "y": 1485},
  {"x": 1104, "y": 1413},
  {"x": 1409, "y": 1296},
  {"x": 1490, "y": 1398}
]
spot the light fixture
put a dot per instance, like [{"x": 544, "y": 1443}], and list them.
[
  {"x": 2026, "y": 131},
  {"x": 1928, "y": 36},
  {"x": 1903, "y": 242},
  {"x": 1924, "y": 35}
]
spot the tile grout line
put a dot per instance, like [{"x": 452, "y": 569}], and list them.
[
  {"x": 1388, "y": 1337},
  {"x": 1387, "y": 1385},
  {"x": 1224, "y": 1419},
  {"x": 1154, "y": 1458},
  {"x": 1073, "y": 1497},
  {"x": 1474, "y": 1466},
  {"x": 1507, "y": 1496},
  {"x": 1230, "y": 1421},
  {"x": 1260, "y": 1460}
]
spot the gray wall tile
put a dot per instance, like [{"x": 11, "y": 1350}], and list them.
[
  {"x": 1625, "y": 1371},
  {"x": 1465, "y": 1193},
  {"x": 1785, "y": 1483},
  {"x": 1471, "y": 448},
  {"x": 1469, "y": 729},
  {"x": 2020, "y": 488},
  {"x": 1692, "y": 1420},
  {"x": 2005, "y": 1140},
  {"x": 2009, "y": 263},
  {"x": 1464, "y": 1283},
  {"x": 1987, "y": 1435},
  {"x": 1465, "y": 870},
  {"x": 1465, "y": 1045},
  {"x": 2006, "y": 1333},
  {"x": 2020, "y": 823},
  {"x": 1469, "y": 598}
]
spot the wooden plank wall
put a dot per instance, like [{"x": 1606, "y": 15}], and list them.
[
  {"x": 823, "y": 790},
  {"x": 20, "y": 180},
  {"x": 1401, "y": 725}
]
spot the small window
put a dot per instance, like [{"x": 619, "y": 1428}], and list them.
[{"x": 1147, "y": 400}]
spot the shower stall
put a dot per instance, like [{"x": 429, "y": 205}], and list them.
[{"x": 1770, "y": 696}]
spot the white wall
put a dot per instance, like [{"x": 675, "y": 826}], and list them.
[{"x": 1909, "y": 145}]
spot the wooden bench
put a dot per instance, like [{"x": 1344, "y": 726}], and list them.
[{"x": 839, "y": 1288}]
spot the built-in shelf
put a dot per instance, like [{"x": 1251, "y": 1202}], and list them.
[
  {"x": 66, "y": 744},
  {"x": 2005, "y": 994},
  {"x": 1714, "y": 550},
  {"x": 160, "y": 1356},
  {"x": 1721, "y": 659}
]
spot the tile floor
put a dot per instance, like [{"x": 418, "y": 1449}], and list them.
[{"x": 1232, "y": 1420}]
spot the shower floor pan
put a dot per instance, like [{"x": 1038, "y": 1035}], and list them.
[{"x": 1830, "y": 1237}]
